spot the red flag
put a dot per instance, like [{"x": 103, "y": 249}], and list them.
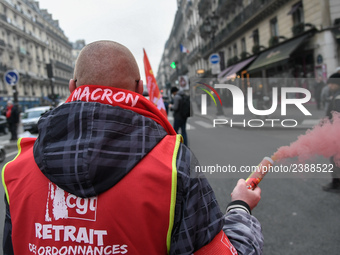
[{"x": 151, "y": 83}]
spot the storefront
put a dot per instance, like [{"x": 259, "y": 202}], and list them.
[{"x": 289, "y": 64}]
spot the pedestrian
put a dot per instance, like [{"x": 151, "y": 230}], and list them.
[
  {"x": 12, "y": 116},
  {"x": 108, "y": 175},
  {"x": 318, "y": 86},
  {"x": 334, "y": 106},
  {"x": 180, "y": 121},
  {"x": 325, "y": 97}
]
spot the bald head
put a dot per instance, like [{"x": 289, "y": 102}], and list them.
[{"x": 107, "y": 63}]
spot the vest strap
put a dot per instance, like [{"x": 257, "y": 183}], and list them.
[
  {"x": 173, "y": 191},
  {"x": 3, "y": 169}
]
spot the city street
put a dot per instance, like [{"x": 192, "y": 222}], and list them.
[{"x": 297, "y": 217}]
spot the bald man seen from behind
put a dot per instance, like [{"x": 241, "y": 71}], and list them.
[{"x": 109, "y": 175}]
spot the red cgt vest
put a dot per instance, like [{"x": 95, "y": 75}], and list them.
[{"x": 48, "y": 220}]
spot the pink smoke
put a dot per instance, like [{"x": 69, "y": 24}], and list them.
[{"x": 323, "y": 140}]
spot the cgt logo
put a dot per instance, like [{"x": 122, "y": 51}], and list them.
[
  {"x": 239, "y": 101},
  {"x": 63, "y": 205}
]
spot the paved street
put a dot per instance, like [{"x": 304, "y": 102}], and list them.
[{"x": 296, "y": 215}]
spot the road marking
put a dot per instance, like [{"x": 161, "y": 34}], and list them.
[
  {"x": 204, "y": 124},
  {"x": 310, "y": 122},
  {"x": 190, "y": 127}
]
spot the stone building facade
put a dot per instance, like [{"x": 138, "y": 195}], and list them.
[
  {"x": 30, "y": 41},
  {"x": 253, "y": 38}
]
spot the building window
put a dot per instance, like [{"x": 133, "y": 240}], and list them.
[
  {"x": 298, "y": 19},
  {"x": 274, "y": 39},
  {"x": 297, "y": 13},
  {"x": 243, "y": 45},
  {"x": 274, "y": 31},
  {"x": 235, "y": 50},
  {"x": 256, "y": 37},
  {"x": 22, "y": 64},
  {"x": 243, "y": 48}
]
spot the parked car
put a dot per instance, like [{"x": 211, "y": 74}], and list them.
[
  {"x": 31, "y": 117},
  {"x": 3, "y": 125}
]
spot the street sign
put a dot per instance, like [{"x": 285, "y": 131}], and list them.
[
  {"x": 215, "y": 68},
  {"x": 214, "y": 58},
  {"x": 11, "y": 77}
]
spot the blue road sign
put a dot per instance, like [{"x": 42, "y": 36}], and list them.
[
  {"x": 214, "y": 58},
  {"x": 11, "y": 77}
]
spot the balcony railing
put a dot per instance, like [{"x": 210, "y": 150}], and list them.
[
  {"x": 193, "y": 55},
  {"x": 254, "y": 12},
  {"x": 203, "y": 7},
  {"x": 58, "y": 37},
  {"x": 273, "y": 41},
  {"x": 63, "y": 66},
  {"x": 225, "y": 7},
  {"x": 300, "y": 28},
  {"x": 191, "y": 32}
]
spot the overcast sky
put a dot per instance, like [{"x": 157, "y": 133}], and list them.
[{"x": 135, "y": 23}]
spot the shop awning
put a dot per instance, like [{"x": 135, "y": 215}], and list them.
[
  {"x": 221, "y": 74},
  {"x": 231, "y": 71},
  {"x": 277, "y": 54}
]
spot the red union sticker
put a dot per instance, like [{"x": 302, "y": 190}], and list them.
[
  {"x": 219, "y": 245},
  {"x": 63, "y": 205}
]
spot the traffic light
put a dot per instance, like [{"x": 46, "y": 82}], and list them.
[{"x": 173, "y": 65}]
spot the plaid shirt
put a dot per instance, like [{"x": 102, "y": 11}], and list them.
[{"x": 78, "y": 139}]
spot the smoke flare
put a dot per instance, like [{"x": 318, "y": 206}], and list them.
[{"x": 323, "y": 140}]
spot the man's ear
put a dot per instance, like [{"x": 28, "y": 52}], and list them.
[
  {"x": 139, "y": 87},
  {"x": 72, "y": 85}
]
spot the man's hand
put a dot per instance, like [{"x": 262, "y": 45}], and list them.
[{"x": 241, "y": 192}]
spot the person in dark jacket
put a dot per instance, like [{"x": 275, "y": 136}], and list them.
[
  {"x": 318, "y": 86},
  {"x": 12, "y": 115},
  {"x": 334, "y": 106},
  {"x": 179, "y": 121},
  {"x": 90, "y": 149}
]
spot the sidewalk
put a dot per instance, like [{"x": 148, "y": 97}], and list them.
[{"x": 294, "y": 117}]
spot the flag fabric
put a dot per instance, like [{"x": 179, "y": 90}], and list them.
[
  {"x": 154, "y": 95},
  {"x": 183, "y": 49}
]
